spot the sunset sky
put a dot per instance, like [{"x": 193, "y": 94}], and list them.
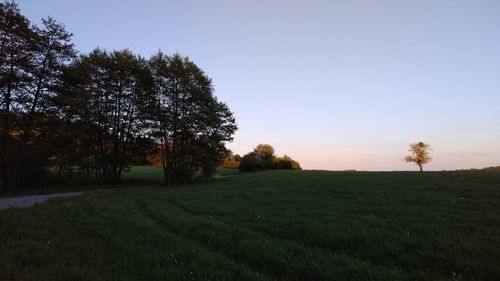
[{"x": 334, "y": 84}]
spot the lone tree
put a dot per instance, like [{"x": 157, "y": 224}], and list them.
[{"x": 419, "y": 154}]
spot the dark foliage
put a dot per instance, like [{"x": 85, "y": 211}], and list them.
[
  {"x": 250, "y": 163},
  {"x": 263, "y": 158},
  {"x": 184, "y": 116},
  {"x": 32, "y": 59},
  {"x": 85, "y": 119}
]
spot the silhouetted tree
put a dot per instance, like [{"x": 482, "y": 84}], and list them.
[
  {"x": 16, "y": 37},
  {"x": 32, "y": 59},
  {"x": 88, "y": 117},
  {"x": 186, "y": 118},
  {"x": 103, "y": 93}
]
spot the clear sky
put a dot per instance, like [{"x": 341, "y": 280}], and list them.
[{"x": 334, "y": 84}]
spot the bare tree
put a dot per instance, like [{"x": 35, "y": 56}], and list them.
[{"x": 419, "y": 154}]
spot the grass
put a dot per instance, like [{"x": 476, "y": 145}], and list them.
[
  {"x": 155, "y": 173},
  {"x": 274, "y": 225},
  {"x": 134, "y": 175}
]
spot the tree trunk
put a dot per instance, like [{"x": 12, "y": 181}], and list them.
[{"x": 39, "y": 85}]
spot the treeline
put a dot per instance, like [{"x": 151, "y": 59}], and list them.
[
  {"x": 84, "y": 118},
  {"x": 262, "y": 158},
  {"x": 231, "y": 161},
  {"x": 487, "y": 169}
]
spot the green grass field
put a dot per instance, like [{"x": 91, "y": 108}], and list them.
[
  {"x": 155, "y": 173},
  {"x": 133, "y": 175},
  {"x": 274, "y": 225}
]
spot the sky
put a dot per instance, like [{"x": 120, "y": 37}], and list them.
[{"x": 336, "y": 85}]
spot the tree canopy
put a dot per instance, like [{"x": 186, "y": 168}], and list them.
[
  {"x": 186, "y": 118},
  {"x": 32, "y": 59},
  {"x": 419, "y": 154},
  {"x": 86, "y": 118},
  {"x": 263, "y": 158}
]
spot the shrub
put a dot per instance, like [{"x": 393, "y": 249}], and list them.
[
  {"x": 263, "y": 158},
  {"x": 231, "y": 162},
  {"x": 286, "y": 162},
  {"x": 250, "y": 163}
]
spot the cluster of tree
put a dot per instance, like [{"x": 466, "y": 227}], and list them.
[
  {"x": 85, "y": 118},
  {"x": 486, "y": 169},
  {"x": 263, "y": 158},
  {"x": 231, "y": 161},
  {"x": 491, "y": 169}
]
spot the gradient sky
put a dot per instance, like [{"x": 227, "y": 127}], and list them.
[{"x": 334, "y": 84}]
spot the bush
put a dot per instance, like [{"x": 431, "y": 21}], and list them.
[
  {"x": 250, "y": 163},
  {"x": 263, "y": 158},
  {"x": 231, "y": 162},
  {"x": 286, "y": 162},
  {"x": 280, "y": 163},
  {"x": 265, "y": 153}
]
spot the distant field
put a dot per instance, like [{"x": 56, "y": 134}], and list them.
[{"x": 274, "y": 225}]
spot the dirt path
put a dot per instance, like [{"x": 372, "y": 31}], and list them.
[{"x": 28, "y": 201}]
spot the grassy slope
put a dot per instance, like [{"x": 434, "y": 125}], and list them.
[{"x": 275, "y": 225}]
